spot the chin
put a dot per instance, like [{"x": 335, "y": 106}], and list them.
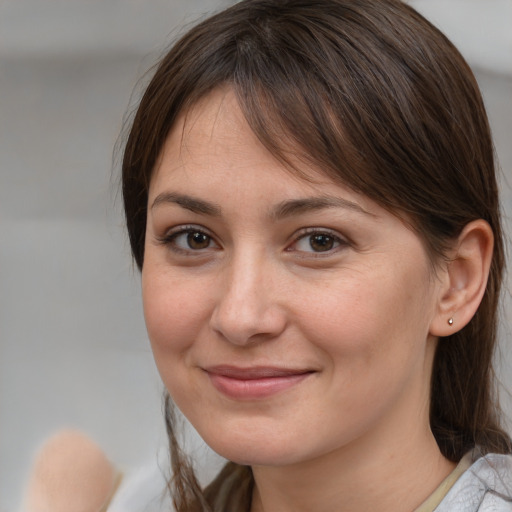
[
  {"x": 255, "y": 455},
  {"x": 254, "y": 450}
]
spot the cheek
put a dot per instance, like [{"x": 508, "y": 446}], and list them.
[
  {"x": 379, "y": 314},
  {"x": 174, "y": 312}
]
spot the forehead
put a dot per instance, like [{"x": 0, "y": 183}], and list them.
[
  {"x": 212, "y": 139},
  {"x": 210, "y": 126}
]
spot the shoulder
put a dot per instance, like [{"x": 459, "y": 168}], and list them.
[
  {"x": 142, "y": 490},
  {"x": 485, "y": 487}
]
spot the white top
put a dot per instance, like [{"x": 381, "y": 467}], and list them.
[
  {"x": 485, "y": 487},
  {"x": 143, "y": 490}
]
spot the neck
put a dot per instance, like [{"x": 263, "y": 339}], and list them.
[{"x": 391, "y": 477}]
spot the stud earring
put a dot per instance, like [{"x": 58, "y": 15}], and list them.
[{"x": 450, "y": 321}]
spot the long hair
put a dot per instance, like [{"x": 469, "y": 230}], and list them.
[{"x": 377, "y": 97}]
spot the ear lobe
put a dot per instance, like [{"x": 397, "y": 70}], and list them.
[{"x": 464, "y": 279}]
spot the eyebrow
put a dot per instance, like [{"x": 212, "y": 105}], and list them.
[
  {"x": 299, "y": 206},
  {"x": 280, "y": 211},
  {"x": 189, "y": 203}
]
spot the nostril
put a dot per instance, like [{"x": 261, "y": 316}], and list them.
[
  {"x": 247, "y": 324},
  {"x": 247, "y": 308}
]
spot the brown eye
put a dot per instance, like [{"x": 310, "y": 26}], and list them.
[
  {"x": 318, "y": 241},
  {"x": 197, "y": 240},
  {"x": 189, "y": 239},
  {"x": 321, "y": 242}
]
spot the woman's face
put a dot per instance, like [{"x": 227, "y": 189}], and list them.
[{"x": 289, "y": 319}]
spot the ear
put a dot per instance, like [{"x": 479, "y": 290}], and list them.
[{"x": 464, "y": 279}]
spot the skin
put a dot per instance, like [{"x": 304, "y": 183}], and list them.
[
  {"x": 234, "y": 276},
  {"x": 70, "y": 474}
]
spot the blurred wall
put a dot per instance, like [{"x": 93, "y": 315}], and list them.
[{"x": 73, "y": 349}]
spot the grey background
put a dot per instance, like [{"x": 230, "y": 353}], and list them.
[{"x": 73, "y": 348}]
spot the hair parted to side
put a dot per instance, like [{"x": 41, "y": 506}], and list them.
[{"x": 372, "y": 93}]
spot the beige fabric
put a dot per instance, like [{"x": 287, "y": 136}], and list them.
[{"x": 430, "y": 504}]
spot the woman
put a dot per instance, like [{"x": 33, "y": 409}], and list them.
[{"x": 310, "y": 196}]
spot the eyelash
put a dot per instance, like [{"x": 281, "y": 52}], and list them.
[
  {"x": 170, "y": 240},
  {"x": 309, "y": 233}
]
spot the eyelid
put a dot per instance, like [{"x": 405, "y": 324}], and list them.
[
  {"x": 171, "y": 234},
  {"x": 342, "y": 241}
]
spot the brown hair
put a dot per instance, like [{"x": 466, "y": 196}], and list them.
[{"x": 376, "y": 96}]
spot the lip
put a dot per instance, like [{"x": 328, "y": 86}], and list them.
[{"x": 254, "y": 383}]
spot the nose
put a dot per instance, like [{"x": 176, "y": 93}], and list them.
[{"x": 248, "y": 309}]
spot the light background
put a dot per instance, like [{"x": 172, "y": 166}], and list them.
[{"x": 73, "y": 349}]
